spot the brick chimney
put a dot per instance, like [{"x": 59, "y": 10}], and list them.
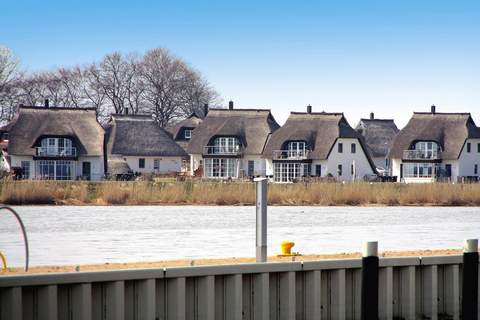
[
  {"x": 126, "y": 110},
  {"x": 309, "y": 109},
  {"x": 47, "y": 103},
  {"x": 433, "y": 109},
  {"x": 372, "y": 115},
  {"x": 230, "y": 105}
]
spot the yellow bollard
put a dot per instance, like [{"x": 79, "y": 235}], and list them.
[
  {"x": 4, "y": 261},
  {"x": 286, "y": 249}
]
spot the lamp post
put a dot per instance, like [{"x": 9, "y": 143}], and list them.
[{"x": 261, "y": 185}]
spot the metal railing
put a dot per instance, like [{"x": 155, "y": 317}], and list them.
[
  {"x": 421, "y": 155},
  {"x": 223, "y": 150},
  {"x": 24, "y": 233},
  {"x": 56, "y": 152},
  {"x": 291, "y": 154}
]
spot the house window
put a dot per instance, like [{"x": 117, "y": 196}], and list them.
[
  {"x": 469, "y": 147},
  {"x": 340, "y": 147},
  {"x": 339, "y": 170},
  {"x": 475, "y": 169},
  {"x": 420, "y": 170},
  {"x": 188, "y": 134},
  {"x": 225, "y": 145},
  {"x": 156, "y": 164},
  {"x": 296, "y": 149},
  {"x": 318, "y": 170},
  {"x": 352, "y": 169},
  {"x": 56, "y": 169},
  {"x": 425, "y": 150},
  {"x": 353, "y": 148},
  {"x": 56, "y": 147},
  {"x": 141, "y": 163},
  {"x": 220, "y": 168},
  {"x": 251, "y": 167},
  {"x": 25, "y": 169},
  {"x": 307, "y": 168},
  {"x": 286, "y": 172}
]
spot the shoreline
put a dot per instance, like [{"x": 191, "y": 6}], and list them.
[{"x": 218, "y": 261}]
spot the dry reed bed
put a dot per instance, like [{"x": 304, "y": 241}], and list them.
[{"x": 236, "y": 193}]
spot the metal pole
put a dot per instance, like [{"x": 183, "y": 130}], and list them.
[
  {"x": 369, "y": 298},
  {"x": 470, "y": 280},
  {"x": 261, "y": 219},
  {"x": 24, "y": 232}
]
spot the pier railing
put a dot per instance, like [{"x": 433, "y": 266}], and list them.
[{"x": 409, "y": 288}]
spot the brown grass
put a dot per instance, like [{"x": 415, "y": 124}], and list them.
[{"x": 237, "y": 193}]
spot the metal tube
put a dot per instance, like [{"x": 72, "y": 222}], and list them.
[
  {"x": 261, "y": 219},
  {"x": 24, "y": 232},
  {"x": 470, "y": 280},
  {"x": 369, "y": 298}
]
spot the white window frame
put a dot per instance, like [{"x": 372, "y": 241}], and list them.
[
  {"x": 287, "y": 171},
  {"x": 156, "y": 164},
  {"x": 26, "y": 169},
  {"x": 296, "y": 149},
  {"x": 220, "y": 168},
  {"x": 187, "y": 133}
]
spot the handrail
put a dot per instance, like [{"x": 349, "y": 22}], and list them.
[
  {"x": 4, "y": 261},
  {"x": 22, "y": 226}
]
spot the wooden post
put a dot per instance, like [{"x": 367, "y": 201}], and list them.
[
  {"x": 261, "y": 219},
  {"x": 470, "y": 280},
  {"x": 369, "y": 299}
]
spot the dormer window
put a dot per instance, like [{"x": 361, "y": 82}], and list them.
[
  {"x": 428, "y": 148},
  {"x": 187, "y": 134},
  {"x": 296, "y": 149},
  {"x": 56, "y": 147},
  {"x": 225, "y": 145}
]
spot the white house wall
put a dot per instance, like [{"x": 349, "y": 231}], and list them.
[
  {"x": 167, "y": 164},
  {"x": 468, "y": 160},
  {"x": 97, "y": 170},
  {"x": 346, "y": 159}
]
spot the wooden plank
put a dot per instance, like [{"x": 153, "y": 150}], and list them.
[
  {"x": 82, "y": 301},
  {"x": 385, "y": 293},
  {"x": 114, "y": 300},
  {"x": 145, "y": 299},
  {"x": 338, "y": 294},
  {"x": 313, "y": 295},
  {"x": 261, "y": 300},
  {"x": 11, "y": 303},
  {"x": 408, "y": 302},
  {"x": 233, "y": 297},
  {"x": 206, "y": 298},
  {"x": 287, "y": 295},
  {"x": 430, "y": 292},
  {"x": 176, "y": 299},
  {"x": 452, "y": 291},
  {"x": 47, "y": 303}
]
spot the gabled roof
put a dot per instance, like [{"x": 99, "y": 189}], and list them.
[
  {"x": 319, "y": 129},
  {"x": 139, "y": 135},
  {"x": 378, "y": 135},
  {"x": 31, "y": 123},
  {"x": 252, "y": 126},
  {"x": 449, "y": 130},
  {"x": 191, "y": 122}
]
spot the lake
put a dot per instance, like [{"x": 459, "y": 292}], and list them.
[{"x": 79, "y": 235}]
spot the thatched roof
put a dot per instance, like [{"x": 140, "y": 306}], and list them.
[
  {"x": 449, "y": 130},
  {"x": 118, "y": 166},
  {"x": 191, "y": 123},
  {"x": 32, "y": 123},
  {"x": 378, "y": 134},
  {"x": 251, "y": 126},
  {"x": 319, "y": 129},
  {"x": 140, "y": 135}
]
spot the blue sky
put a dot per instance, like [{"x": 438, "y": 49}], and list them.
[{"x": 389, "y": 57}]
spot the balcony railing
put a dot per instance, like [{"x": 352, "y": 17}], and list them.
[
  {"x": 421, "y": 155},
  {"x": 56, "y": 152},
  {"x": 290, "y": 154},
  {"x": 223, "y": 150}
]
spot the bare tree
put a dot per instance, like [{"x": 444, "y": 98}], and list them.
[{"x": 8, "y": 91}]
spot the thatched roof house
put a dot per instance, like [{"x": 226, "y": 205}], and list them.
[
  {"x": 378, "y": 134},
  {"x": 140, "y": 135},
  {"x": 31, "y": 124},
  {"x": 449, "y": 130},
  {"x": 252, "y": 127},
  {"x": 319, "y": 129}
]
